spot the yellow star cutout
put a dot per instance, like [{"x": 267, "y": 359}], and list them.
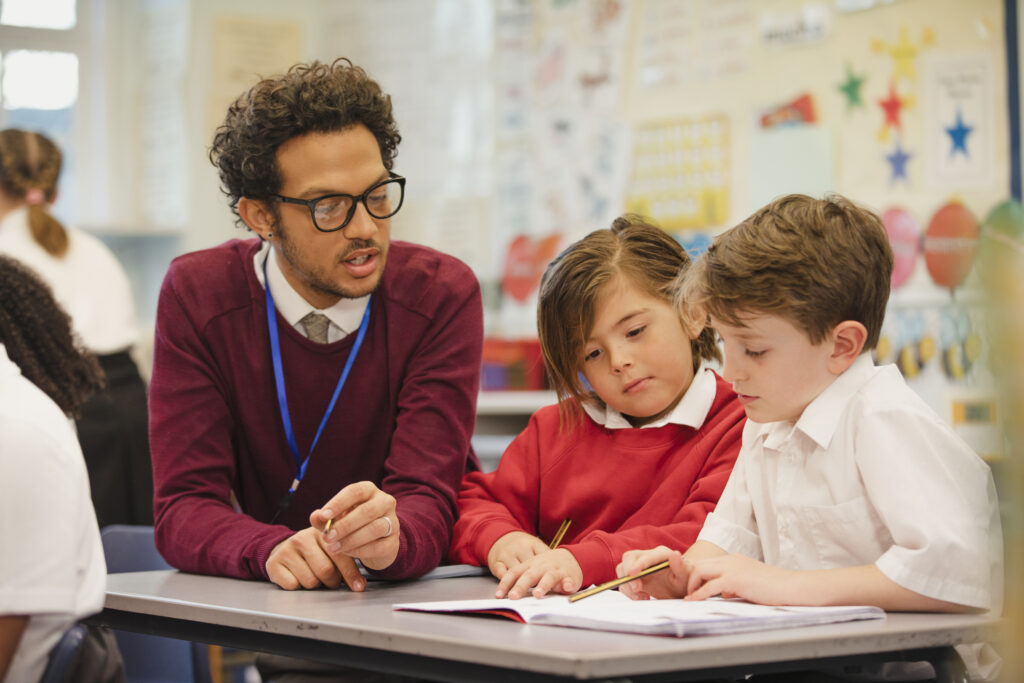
[{"x": 903, "y": 52}]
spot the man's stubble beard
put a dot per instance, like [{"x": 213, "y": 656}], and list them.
[{"x": 318, "y": 281}]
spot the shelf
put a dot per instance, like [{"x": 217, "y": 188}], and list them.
[{"x": 513, "y": 402}]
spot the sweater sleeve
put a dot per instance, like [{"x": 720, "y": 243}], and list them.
[
  {"x": 495, "y": 503},
  {"x": 599, "y": 552},
  {"x": 197, "y": 529},
  {"x": 431, "y": 440}
]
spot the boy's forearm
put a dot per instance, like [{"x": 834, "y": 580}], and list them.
[{"x": 863, "y": 585}]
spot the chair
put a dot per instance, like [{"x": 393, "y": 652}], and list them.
[
  {"x": 62, "y": 654},
  {"x": 150, "y": 658}
]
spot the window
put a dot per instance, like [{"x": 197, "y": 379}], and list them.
[{"x": 43, "y": 44}]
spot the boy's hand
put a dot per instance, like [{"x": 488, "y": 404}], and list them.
[
  {"x": 550, "y": 570},
  {"x": 667, "y": 583},
  {"x": 738, "y": 576},
  {"x": 301, "y": 561},
  {"x": 512, "y": 549}
]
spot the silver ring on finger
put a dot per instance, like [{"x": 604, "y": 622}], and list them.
[{"x": 390, "y": 527}]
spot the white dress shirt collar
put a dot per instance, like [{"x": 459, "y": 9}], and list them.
[
  {"x": 345, "y": 315},
  {"x": 691, "y": 411},
  {"x": 821, "y": 416}
]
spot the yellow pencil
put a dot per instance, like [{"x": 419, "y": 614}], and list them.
[
  {"x": 617, "y": 582},
  {"x": 560, "y": 534}
]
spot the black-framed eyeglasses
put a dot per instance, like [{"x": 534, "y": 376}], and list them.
[{"x": 332, "y": 212}]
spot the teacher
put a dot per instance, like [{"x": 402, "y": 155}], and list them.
[{"x": 322, "y": 365}]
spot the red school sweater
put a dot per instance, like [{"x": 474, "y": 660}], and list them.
[{"x": 623, "y": 489}]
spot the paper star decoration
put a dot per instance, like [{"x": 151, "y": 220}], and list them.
[
  {"x": 958, "y": 134},
  {"x": 903, "y": 52},
  {"x": 851, "y": 88},
  {"x": 898, "y": 161},
  {"x": 892, "y": 106}
]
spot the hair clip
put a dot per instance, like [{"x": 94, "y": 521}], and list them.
[{"x": 34, "y": 196}]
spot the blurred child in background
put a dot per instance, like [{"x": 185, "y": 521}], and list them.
[{"x": 92, "y": 288}]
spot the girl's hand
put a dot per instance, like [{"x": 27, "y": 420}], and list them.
[
  {"x": 512, "y": 549},
  {"x": 552, "y": 570}
]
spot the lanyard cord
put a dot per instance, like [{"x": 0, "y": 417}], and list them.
[{"x": 282, "y": 398}]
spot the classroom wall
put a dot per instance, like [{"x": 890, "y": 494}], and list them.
[{"x": 528, "y": 123}]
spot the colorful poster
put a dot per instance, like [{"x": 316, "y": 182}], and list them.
[{"x": 680, "y": 172}]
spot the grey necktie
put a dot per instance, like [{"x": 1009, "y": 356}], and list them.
[{"x": 316, "y": 325}]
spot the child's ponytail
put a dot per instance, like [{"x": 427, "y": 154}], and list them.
[{"x": 29, "y": 167}]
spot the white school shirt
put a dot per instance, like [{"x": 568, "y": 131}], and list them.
[
  {"x": 51, "y": 565},
  {"x": 691, "y": 411},
  {"x": 869, "y": 474},
  {"x": 345, "y": 315},
  {"x": 88, "y": 282}
]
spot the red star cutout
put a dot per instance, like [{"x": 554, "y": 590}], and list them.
[{"x": 891, "y": 106}]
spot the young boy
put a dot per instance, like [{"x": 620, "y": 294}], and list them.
[{"x": 848, "y": 489}]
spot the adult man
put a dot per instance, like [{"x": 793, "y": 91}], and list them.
[{"x": 372, "y": 423}]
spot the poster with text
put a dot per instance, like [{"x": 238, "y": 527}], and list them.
[{"x": 959, "y": 121}]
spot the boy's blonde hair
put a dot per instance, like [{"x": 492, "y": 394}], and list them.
[
  {"x": 814, "y": 262},
  {"x": 574, "y": 281}
]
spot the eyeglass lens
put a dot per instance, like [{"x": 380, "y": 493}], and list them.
[{"x": 330, "y": 213}]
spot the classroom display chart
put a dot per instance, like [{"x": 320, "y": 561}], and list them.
[{"x": 680, "y": 174}]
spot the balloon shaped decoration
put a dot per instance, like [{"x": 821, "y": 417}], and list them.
[
  {"x": 905, "y": 238},
  {"x": 1002, "y": 234},
  {"x": 949, "y": 245}
]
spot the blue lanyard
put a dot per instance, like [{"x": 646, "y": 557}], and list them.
[{"x": 282, "y": 398}]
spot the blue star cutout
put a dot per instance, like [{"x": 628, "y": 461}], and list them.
[
  {"x": 958, "y": 134},
  {"x": 898, "y": 160}
]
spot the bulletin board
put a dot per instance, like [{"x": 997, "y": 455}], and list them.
[{"x": 529, "y": 122}]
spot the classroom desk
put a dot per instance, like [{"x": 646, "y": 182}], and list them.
[{"x": 361, "y": 630}]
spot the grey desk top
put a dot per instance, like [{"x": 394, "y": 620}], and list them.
[{"x": 367, "y": 620}]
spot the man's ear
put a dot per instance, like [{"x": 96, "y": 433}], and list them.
[
  {"x": 847, "y": 340},
  {"x": 257, "y": 216}
]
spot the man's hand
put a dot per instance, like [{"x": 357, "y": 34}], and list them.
[
  {"x": 364, "y": 526},
  {"x": 549, "y": 570},
  {"x": 738, "y": 576},
  {"x": 511, "y": 549},
  {"x": 301, "y": 561},
  {"x": 667, "y": 583}
]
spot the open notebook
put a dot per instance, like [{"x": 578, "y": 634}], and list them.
[{"x": 613, "y": 611}]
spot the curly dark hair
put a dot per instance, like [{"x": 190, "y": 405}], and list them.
[
  {"x": 37, "y": 334},
  {"x": 309, "y": 98}
]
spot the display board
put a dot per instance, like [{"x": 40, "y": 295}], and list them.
[{"x": 532, "y": 122}]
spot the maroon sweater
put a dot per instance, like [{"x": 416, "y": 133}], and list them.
[
  {"x": 403, "y": 420},
  {"x": 623, "y": 489}
]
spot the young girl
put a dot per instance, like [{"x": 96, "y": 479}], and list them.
[
  {"x": 638, "y": 454},
  {"x": 52, "y": 570}
]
